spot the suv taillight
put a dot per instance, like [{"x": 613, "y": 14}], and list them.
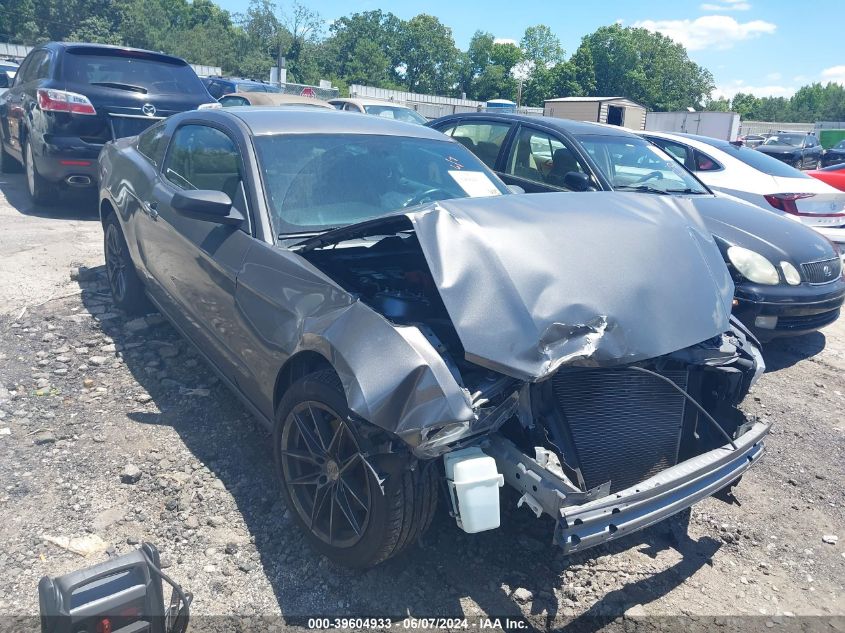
[
  {"x": 787, "y": 201},
  {"x": 51, "y": 100}
]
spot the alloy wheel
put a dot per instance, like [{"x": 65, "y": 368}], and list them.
[
  {"x": 326, "y": 475},
  {"x": 115, "y": 263}
]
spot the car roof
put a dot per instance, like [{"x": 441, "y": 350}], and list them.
[
  {"x": 262, "y": 120},
  {"x": 684, "y": 136},
  {"x": 566, "y": 125},
  {"x": 278, "y": 98},
  {"x": 70, "y": 46},
  {"x": 365, "y": 102}
]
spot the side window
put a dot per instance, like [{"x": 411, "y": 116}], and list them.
[
  {"x": 482, "y": 139},
  {"x": 351, "y": 107},
  {"x": 202, "y": 157},
  {"x": 542, "y": 158},
  {"x": 675, "y": 150},
  {"x": 152, "y": 143},
  {"x": 704, "y": 163},
  {"x": 41, "y": 70},
  {"x": 29, "y": 68}
]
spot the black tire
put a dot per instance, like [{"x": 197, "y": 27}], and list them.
[
  {"x": 8, "y": 165},
  {"x": 126, "y": 286},
  {"x": 40, "y": 190},
  {"x": 311, "y": 472}
]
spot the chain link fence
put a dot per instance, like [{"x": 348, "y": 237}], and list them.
[{"x": 309, "y": 91}]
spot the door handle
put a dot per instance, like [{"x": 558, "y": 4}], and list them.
[{"x": 151, "y": 209}]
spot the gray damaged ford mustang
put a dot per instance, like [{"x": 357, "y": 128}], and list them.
[{"x": 403, "y": 323}]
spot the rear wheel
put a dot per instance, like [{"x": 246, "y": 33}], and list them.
[
  {"x": 331, "y": 486},
  {"x": 126, "y": 287},
  {"x": 40, "y": 190}
]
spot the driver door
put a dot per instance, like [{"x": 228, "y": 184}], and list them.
[{"x": 195, "y": 263}]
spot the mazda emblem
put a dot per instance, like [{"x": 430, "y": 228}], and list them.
[{"x": 149, "y": 109}]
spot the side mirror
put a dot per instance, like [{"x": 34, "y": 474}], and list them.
[
  {"x": 516, "y": 189},
  {"x": 4, "y": 79},
  {"x": 206, "y": 205},
  {"x": 576, "y": 181}
]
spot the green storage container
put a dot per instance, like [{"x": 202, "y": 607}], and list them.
[{"x": 829, "y": 138}]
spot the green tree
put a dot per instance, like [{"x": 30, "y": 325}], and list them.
[
  {"x": 647, "y": 67},
  {"x": 350, "y": 51},
  {"x": 428, "y": 55},
  {"x": 541, "y": 46}
]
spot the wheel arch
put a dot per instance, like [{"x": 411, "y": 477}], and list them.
[{"x": 297, "y": 366}]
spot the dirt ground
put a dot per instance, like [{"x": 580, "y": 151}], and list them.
[{"x": 113, "y": 432}]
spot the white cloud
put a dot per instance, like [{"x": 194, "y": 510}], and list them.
[
  {"x": 834, "y": 73},
  {"x": 726, "y": 91},
  {"x": 726, "y": 5},
  {"x": 709, "y": 31}
]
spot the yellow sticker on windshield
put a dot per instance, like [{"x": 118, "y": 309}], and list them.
[{"x": 476, "y": 184}]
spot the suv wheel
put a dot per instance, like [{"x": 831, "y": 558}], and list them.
[
  {"x": 127, "y": 289},
  {"x": 41, "y": 191},
  {"x": 332, "y": 489}
]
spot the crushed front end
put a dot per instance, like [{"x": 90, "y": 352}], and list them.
[{"x": 607, "y": 396}]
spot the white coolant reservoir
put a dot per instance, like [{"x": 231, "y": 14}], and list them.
[{"x": 474, "y": 486}]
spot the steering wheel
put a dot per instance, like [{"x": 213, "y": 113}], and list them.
[
  {"x": 425, "y": 196},
  {"x": 654, "y": 175}
]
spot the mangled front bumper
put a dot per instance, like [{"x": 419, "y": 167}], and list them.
[{"x": 587, "y": 519}]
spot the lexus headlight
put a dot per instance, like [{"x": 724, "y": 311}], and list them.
[
  {"x": 753, "y": 266},
  {"x": 790, "y": 273}
]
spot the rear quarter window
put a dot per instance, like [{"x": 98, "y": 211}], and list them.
[
  {"x": 153, "y": 143},
  {"x": 758, "y": 160}
]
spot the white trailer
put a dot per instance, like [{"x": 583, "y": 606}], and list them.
[{"x": 722, "y": 125}]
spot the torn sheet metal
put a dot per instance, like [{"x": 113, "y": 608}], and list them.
[
  {"x": 391, "y": 375},
  {"x": 594, "y": 279},
  {"x": 529, "y": 282}
]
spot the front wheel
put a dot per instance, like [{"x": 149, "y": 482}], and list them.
[
  {"x": 40, "y": 190},
  {"x": 331, "y": 484}
]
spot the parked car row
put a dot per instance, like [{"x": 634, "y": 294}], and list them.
[
  {"x": 403, "y": 323},
  {"x": 788, "y": 278}
]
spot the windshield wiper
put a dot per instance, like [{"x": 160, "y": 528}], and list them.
[
  {"x": 119, "y": 86},
  {"x": 688, "y": 190},
  {"x": 643, "y": 189}
]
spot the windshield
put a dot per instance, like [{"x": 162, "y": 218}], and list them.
[
  {"x": 634, "y": 164},
  {"x": 395, "y": 112},
  {"x": 135, "y": 71},
  {"x": 839, "y": 145},
  {"x": 316, "y": 182},
  {"x": 795, "y": 140}
]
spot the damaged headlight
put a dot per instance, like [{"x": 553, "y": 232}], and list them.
[{"x": 753, "y": 266}]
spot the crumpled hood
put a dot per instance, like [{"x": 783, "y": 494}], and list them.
[{"x": 533, "y": 282}]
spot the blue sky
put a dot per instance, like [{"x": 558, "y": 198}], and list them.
[{"x": 764, "y": 47}]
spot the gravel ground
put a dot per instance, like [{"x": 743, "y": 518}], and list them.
[{"x": 114, "y": 432}]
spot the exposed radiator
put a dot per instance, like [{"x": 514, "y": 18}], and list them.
[{"x": 625, "y": 426}]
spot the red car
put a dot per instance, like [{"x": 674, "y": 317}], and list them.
[{"x": 833, "y": 175}]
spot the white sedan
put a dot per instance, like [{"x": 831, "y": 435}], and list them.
[{"x": 765, "y": 181}]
